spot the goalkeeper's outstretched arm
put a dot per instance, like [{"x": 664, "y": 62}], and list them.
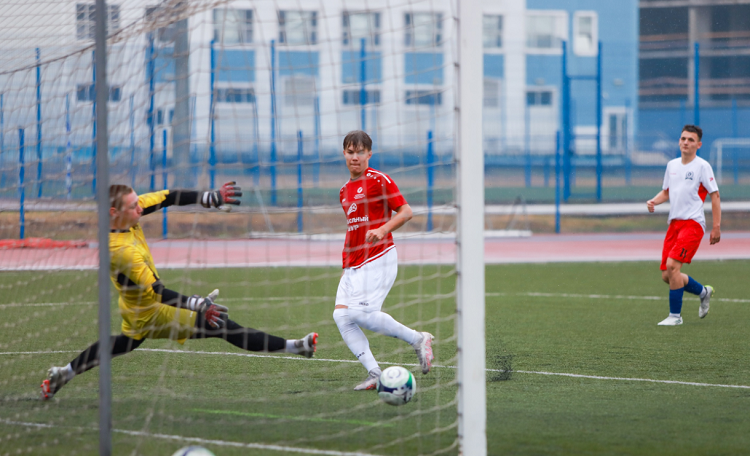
[{"x": 222, "y": 198}]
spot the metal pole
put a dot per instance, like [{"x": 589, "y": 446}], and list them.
[
  {"x": 696, "y": 80},
  {"x": 151, "y": 120},
  {"x": 272, "y": 168},
  {"x": 470, "y": 286},
  {"x": 212, "y": 114},
  {"x": 181, "y": 117},
  {"x": 318, "y": 159},
  {"x": 132, "y": 144},
  {"x": 38, "y": 125},
  {"x": 68, "y": 151},
  {"x": 557, "y": 181},
  {"x": 735, "y": 134},
  {"x": 256, "y": 146},
  {"x": 430, "y": 179},
  {"x": 565, "y": 122},
  {"x": 362, "y": 82},
  {"x": 21, "y": 186},
  {"x": 299, "y": 181},
  {"x": 93, "y": 123},
  {"x": 527, "y": 141},
  {"x": 599, "y": 166},
  {"x": 102, "y": 197},
  {"x": 164, "y": 178},
  {"x": 2, "y": 137}
]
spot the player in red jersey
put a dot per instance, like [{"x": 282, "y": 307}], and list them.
[
  {"x": 370, "y": 261},
  {"x": 687, "y": 181}
]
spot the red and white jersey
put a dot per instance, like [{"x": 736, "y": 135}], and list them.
[
  {"x": 367, "y": 203},
  {"x": 688, "y": 186}
]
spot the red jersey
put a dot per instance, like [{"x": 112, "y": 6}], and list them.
[{"x": 367, "y": 203}]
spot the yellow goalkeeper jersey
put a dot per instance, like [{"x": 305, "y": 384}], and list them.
[{"x": 134, "y": 274}]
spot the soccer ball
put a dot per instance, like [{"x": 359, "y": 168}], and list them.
[
  {"x": 396, "y": 386},
  {"x": 193, "y": 450}
]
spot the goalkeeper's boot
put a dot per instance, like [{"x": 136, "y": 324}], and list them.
[
  {"x": 671, "y": 320},
  {"x": 54, "y": 381},
  {"x": 371, "y": 382},
  {"x": 423, "y": 347},
  {"x": 703, "y": 309},
  {"x": 307, "y": 345}
]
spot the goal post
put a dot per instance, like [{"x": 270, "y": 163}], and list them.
[{"x": 472, "y": 408}]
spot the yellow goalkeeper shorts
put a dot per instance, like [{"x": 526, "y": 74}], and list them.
[{"x": 166, "y": 323}]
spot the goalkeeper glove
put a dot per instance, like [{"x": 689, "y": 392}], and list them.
[
  {"x": 222, "y": 197},
  {"x": 214, "y": 314}
]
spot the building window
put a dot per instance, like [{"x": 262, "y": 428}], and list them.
[
  {"x": 491, "y": 93},
  {"x": 235, "y": 95},
  {"x": 492, "y": 32},
  {"x": 87, "y": 92},
  {"x": 233, "y": 26},
  {"x": 423, "y": 29},
  {"x": 546, "y": 31},
  {"x": 165, "y": 24},
  {"x": 423, "y": 97},
  {"x": 299, "y": 91},
  {"x": 352, "y": 97},
  {"x": 298, "y": 27},
  {"x": 539, "y": 98},
  {"x": 361, "y": 25},
  {"x": 585, "y": 33},
  {"x": 160, "y": 116},
  {"x": 86, "y": 20}
]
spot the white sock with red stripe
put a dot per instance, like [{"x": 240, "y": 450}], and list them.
[
  {"x": 382, "y": 323},
  {"x": 355, "y": 339}
]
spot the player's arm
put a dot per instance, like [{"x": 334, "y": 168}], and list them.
[
  {"x": 716, "y": 215},
  {"x": 660, "y": 197},
  {"x": 215, "y": 314},
  {"x": 403, "y": 215},
  {"x": 221, "y": 198}
]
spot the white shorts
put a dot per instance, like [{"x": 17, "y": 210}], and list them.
[{"x": 367, "y": 287}]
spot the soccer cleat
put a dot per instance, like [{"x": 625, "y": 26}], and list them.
[
  {"x": 671, "y": 321},
  {"x": 371, "y": 382},
  {"x": 703, "y": 309},
  {"x": 52, "y": 384},
  {"x": 424, "y": 351},
  {"x": 307, "y": 345}
]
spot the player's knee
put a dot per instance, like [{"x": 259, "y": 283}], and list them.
[
  {"x": 341, "y": 317},
  {"x": 665, "y": 276}
]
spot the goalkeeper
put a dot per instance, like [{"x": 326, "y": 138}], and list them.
[{"x": 148, "y": 308}]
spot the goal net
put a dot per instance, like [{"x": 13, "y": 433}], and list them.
[{"x": 204, "y": 92}]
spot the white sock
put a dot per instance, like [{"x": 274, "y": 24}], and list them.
[
  {"x": 68, "y": 372},
  {"x": 674, "y": 315},
  {"x": 382, "y": 323},
  {"x": 703, "y": 293},
  {"x": 290, "y": 347},
  {"x": 355, "y": 339}
]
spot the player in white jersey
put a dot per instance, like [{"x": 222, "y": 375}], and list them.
[
  {"x": 370, "y": 261},
  {"x": 687, "y": 181}
]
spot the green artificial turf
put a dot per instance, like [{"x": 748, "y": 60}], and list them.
[{"x": 590, "y": 319}]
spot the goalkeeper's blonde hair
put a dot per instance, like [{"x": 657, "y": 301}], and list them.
[{"x": 116, "y": 192}]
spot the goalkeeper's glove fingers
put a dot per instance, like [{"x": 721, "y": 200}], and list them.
[
  {"x": 215, "y": 317},
  {"x": 223, "y": 197},
  {"x": 201, "y": 304}
]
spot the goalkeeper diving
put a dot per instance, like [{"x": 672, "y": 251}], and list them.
[{"x": 148, "y": 308}]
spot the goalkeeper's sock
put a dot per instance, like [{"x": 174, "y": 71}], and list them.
[
  {"x": 675, "y": 301},
  {"x": 68, "y": 372},
  {"x": 355, "y": 339},
  {"x": 382, "y": 323},
  {"x": 292, "y": 348},
  {"x": 694, "y": 287}
]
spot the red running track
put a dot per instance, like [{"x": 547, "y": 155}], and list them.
[{"x": 293, "y": 252}]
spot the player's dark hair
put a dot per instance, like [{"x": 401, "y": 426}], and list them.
[
  {"x": 116, "y": 192},
  {"x": 694, "y": 129},
  {"x": 358, "y": 138}
]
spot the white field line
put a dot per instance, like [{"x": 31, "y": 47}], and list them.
[
  {"x": 255, "y": 446},
  {"x": 331, "y": 298},
  {"x": 351, "y": 361}
]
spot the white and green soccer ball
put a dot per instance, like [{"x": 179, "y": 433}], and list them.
[
  {"x": 396, "y": 386},
  {"x": 193, "y": 450}
]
